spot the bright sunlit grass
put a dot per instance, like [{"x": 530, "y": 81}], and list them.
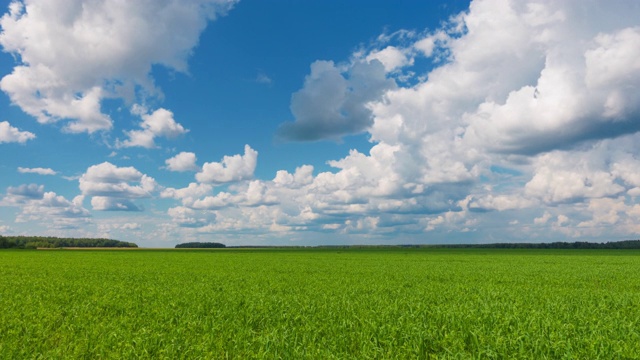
[{"x": 320, "y": 303}]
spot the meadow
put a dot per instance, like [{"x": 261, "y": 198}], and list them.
[{"x": 320, "y": 304}]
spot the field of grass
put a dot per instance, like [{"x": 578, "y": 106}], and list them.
[{"x": 320, "y": 304}]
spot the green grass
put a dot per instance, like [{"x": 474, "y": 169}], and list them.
[{"x": 320, "y": 304}]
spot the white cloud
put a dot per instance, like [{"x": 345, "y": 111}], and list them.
[
  {"x": 518, "y": 114},
  {"x": 160, "y": 123},
  {"x": 303, "y": 175},
  {"x": 543, "y": 219},
  {"x": 10, "y": 134},
  {"x": 579, "y": 93},
  {"x": 333, "y": 102},
  {"x": 24, "y": 192},
  {"x": 501, "y": 202},
  {"x": 38, "y": 170},
  {"x": 609, "y": 217},
  {"x": 189, "y": 194},
  {"x": 130, "y": 226},
  {"x": 567, "y": 177},
  {"x": 231, "y": 168},
  {"x": 186, "y": 217},
  {"x": 105, "y": 203},
  {"x": 263, "y": 78},
  {"x": 184, "y": 161},
  {"x": 74, "y": 55},
  {"x": 48, "y": 208},
  {"x": 220, "y": 200},
  {"x": 113, "y": 188},
  {"x": 391, "y": 57}
]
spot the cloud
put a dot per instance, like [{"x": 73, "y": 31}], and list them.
[
  {"x": 185, "y": 217},
  {"x": 184, "y": 161},
  {"x": 113, "y": 188},
  {"x": 130, "y": 226},
  {"x": 24, "y": 192},
  {"x": 10, "y": 134},
  {"x": 578, "y": 94},
  {"x": 74, "y": 55},
  {"x": 231, "y": 168},
  {"x": 570, "y": 177},
  {"x": 189, "y": 194},
  {"x": 39, "y": 170},
  {"x": 333, "y": 102},
  {"x": 160, "y": 123},
  {"x": 522, "y": 125},
  {"x": 391, "y": 57},
  {"x": 263, "y": 78},
  {"x": 105, "y": 203},
  {"x": 303, "y": 175},
  {"x": 501, "y": 202},
  {"x": 48, "y": 208}
]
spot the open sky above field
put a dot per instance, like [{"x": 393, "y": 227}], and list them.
[{"x": 320, "y": 121}]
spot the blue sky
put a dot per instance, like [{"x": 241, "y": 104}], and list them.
[{"x": 320, "y": 122}]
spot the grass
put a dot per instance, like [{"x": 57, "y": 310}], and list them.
[{"x": 320, "y": 304}]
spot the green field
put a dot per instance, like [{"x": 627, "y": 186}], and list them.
[{"x": 320, "y": 304}]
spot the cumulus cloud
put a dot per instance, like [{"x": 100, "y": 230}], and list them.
[
  {"x": 189, "y": 194},
  {"x": 10, "y": 134},
  {"x": 113, "y": 188},
  {"x": 160, "y": 123},
  {"x": 303, "y": 175},
  {"x": 391, "y": 57},
  {"x": 189, "y": 218},
  {"x": 579, "y": 93},
  {"x": 24, "y": 192},
  {"x": 47, "y": 208},
  {"x": 38, "y": 170},
  {"x": 73, "y": 55},
  {"x": 527, "y": 109},
  {"x": 105, "y": 203},
  {"x": 231, "y": 168},
  {"x": 184, "y": 161},
  {"x": 333, "y": 101}
]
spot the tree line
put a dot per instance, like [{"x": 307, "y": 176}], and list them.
[
  {"x": 625, "y": 244},
  {"x": 34, "y": 242},
  {"x": 200, "y": 245}
]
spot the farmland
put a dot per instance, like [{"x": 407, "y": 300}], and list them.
[{"x": 320, "y": 303}]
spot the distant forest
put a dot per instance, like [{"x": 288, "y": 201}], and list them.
[
  {"x": 200, "y": 245},
  {"x": 625, "y": 244},
  {"x": 34, "y": 242}
]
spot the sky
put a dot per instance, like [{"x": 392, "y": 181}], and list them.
[{"x": 320, "y": 122}]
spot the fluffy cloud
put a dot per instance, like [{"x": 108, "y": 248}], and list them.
[
  {"x": 24, "y": 192},
  {"x": 333, "y": 101},
  {"x": 75, "y": 54},
  {"x": 160, "y": 123},
  {"x": 231, "y": 168},
  {"x": 526, "y": 109},
  {"x": 579, "y": 93},
  {"x": 9, "y": 134},
  {"x": 47, "y": 208},
  {"x": 189, "y": 194},
  {"x": 391, "y": 57},
  {"x": 38, "y": 170},
  {"x": 113, "y": 188},
  {"x": 547, "y": 88},
  {"x": 189, "y": 218},
  {"x": 184, "y": 161}
]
